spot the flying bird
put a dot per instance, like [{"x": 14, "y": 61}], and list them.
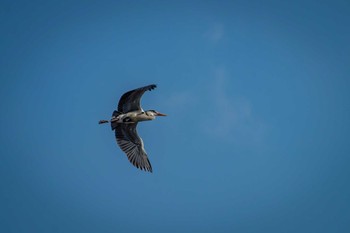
[{"x": 124, "y": 122}]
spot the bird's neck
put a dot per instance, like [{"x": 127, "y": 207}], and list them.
[{"x": 148, "y": 115}]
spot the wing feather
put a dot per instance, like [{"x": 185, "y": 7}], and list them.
[
  {"x": 130, "y": 142},
  {"x": 130, "y": 101}
]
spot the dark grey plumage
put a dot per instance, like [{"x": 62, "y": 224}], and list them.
[
  {"x": 130, "y": 101},
  {"x": 130, "y": 142},
  {"x": 124, "y": 121}
]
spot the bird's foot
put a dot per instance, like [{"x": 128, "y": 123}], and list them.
[{"x": 103, "y": 121}]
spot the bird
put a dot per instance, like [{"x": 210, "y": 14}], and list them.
[{"x": 124, "y": 122}]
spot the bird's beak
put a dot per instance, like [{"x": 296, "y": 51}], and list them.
[{"x": 161, "y": 114}]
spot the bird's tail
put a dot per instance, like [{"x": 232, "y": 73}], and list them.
[{"x": 115, "y": 115}]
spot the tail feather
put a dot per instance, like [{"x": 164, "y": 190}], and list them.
[{"x": 114, "y": 115}]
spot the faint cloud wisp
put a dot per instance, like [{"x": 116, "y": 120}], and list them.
[
  {"x": 232, "y": 117},
  {"x": 180, "y": 102},
  {"x": 215, "y": 33}
]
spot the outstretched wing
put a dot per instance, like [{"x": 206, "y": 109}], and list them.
[
  {"x": 130, "y": 101},
  {"x": 130, "y": 142}
]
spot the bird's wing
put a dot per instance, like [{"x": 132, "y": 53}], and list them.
[
  {"x": 130, "y": 101},
  {"x": 130, "y": 142}
]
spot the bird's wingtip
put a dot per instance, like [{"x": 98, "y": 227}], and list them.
[{"x": 152, "y": 86}]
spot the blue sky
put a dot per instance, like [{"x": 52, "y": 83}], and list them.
[{"x": 257, "y": 137}]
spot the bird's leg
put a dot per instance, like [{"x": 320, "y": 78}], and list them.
[
  {"x": 103, "y": 121},
  {"x": 114, "y": 119}
]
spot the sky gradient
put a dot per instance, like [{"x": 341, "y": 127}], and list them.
[{"x": 257, "y": 133}]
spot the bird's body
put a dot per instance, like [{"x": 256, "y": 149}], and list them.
[
  {"x": 124, "y": 122},
  {"x": 134, "y": 117}
]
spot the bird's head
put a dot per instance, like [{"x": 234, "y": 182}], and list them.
[{"x": 154, "y": 113}]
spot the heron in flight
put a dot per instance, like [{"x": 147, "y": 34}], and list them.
[{"x": 124, "y": 122}]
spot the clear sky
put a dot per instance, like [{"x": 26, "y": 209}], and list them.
[{"x": 257, "y": 137}]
